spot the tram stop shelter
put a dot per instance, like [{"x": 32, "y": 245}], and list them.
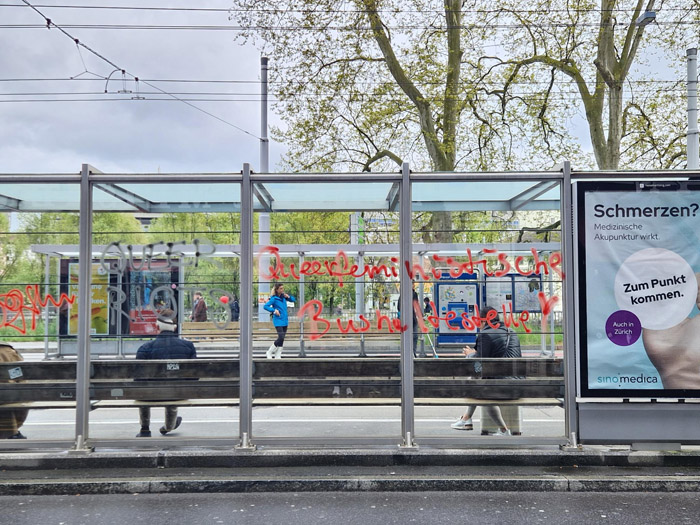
[{"x": 356, "y": 368}]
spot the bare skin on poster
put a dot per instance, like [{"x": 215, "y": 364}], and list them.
[{"x": 675, "y": 351}]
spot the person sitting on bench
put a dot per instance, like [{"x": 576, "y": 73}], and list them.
[
  {"x": 11, "y": 420},
  {"x": 166, "y": 345}
]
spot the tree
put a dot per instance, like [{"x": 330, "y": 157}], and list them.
[
  {"x": 356, "y": 97},
  {"x": 595, "y": 45},
  {"x": 467, "y": 85}
]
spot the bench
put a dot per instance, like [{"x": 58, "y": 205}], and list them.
[
  {"x": 208, "y": 332},
  {"x": 307, "y": 382},
  {"x": 231, "y": 331}
]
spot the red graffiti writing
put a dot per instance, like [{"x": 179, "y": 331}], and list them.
[
  {"x": 339, "y": 268},
  {"x": 16, "y": 304},
  {"x": 314, "y": 309},
  {"x": 546, "y": 305},
  {"x": 456, "y": 268},
  {"x": 472, "y": 323}
]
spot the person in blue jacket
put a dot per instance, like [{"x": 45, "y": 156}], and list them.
[{"x": 277, "y": 306}]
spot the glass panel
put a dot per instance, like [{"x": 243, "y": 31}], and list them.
[
  {"x": 488, "y": 245},
  {"x": 325, "y": 196},
  {"x": 165, "y": 288},
  {"x": 339, "y": 276},
  {"x": 34, "y": 302}
]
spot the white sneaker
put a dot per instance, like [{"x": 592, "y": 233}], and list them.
[
  {"x": 499, "y": 432},
  {"x": 463, "y": 424}
]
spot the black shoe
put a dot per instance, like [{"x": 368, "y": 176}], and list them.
[
  {"x": 164, "y": 430},
  {"x": 18, "y": 435},
  {"x": 144, "y": 433}
]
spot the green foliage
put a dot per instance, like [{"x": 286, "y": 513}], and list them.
[
  {"x": 22, "y": 266},
  {"x": 221, "y": 273}
]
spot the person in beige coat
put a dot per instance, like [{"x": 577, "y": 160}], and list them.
[{"x": 11, "y": 419}]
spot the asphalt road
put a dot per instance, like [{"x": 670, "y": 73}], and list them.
[{"x": 352, "y": 508}]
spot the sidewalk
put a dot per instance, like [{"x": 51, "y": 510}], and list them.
[{"x": 589, "y": 469}]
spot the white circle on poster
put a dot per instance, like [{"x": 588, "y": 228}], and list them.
[{"x": 658, "y": 286}]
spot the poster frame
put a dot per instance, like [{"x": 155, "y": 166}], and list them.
[{"x": 581, "y": 189}]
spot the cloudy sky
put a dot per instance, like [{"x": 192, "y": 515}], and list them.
[{"x": 64, "y": 119}]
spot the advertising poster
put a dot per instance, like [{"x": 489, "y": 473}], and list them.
[
  {"x": 99, "y": 293},
  {"x": 498, "y": 291},
  {"x": 638, "y": 287},
  {"x": 147, "y": 292},
  {"x": 526, "y": 290}
]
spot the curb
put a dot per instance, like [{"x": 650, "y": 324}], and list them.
[
  {"x": 357, "y": 484},
  {"x": 207, "y": 458}
]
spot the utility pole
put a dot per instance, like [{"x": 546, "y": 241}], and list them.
[
  {"x": 692, "y": 146},
  {"x": 263, "y": 218},
  {"x": 357, "y": 239}
]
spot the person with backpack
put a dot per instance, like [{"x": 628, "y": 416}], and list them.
[
  {"x": 277, "y": 306},
  {"x": 491, "y": 342}
]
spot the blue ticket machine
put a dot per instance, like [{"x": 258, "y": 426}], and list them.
[{"x": 458, "y": 295}]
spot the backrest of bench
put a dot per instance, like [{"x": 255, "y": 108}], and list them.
[{"x": 217, "y": 378}]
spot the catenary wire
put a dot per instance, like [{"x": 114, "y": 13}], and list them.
[
  {"x": 349, "y": 28},
  {"x": 323, "y": 11},
  {"x": 50, "y": 24}
]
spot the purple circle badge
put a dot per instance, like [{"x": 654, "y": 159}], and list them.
[{"x": 623, "y": 328}]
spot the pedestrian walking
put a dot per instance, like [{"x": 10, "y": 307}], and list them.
[{"x": 490, "y": 342}]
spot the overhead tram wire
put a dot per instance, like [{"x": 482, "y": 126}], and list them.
[
  {"x": 308, "y": 11},
  {"x": 339, "y": 28},
  {"x": 50, "y": 24},
  {"x": 532, "y": 97},
  {"x": 523, "y": 82},
  {"x": 675, "y": 86}
]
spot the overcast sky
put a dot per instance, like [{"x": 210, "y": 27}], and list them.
[{"x": 126, "y": 135}]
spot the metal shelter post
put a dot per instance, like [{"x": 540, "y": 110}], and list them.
[
  {"x": 569, "y": 292},
  {"x": 263, "y": 218},
  {"x": 246, "y": 317},
  {"x": 82, "y": 388},
  {"x": 360, "y": 300},
  {"x": 302, "y": 301},
  {"x": 421, "y": 295},
  {"x": 359, "y": 282},
  {"x": 405, "y": 247},
  {"x": 47, "y": 291},
  {"x": 692, "y": 146}
]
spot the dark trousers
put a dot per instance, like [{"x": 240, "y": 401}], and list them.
[
  {"x": 281, "y": 332},
  {"x": 170, "y": 417},
  {"x": 416, "y": 333},
  {"x": 11, "y": 421}
]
